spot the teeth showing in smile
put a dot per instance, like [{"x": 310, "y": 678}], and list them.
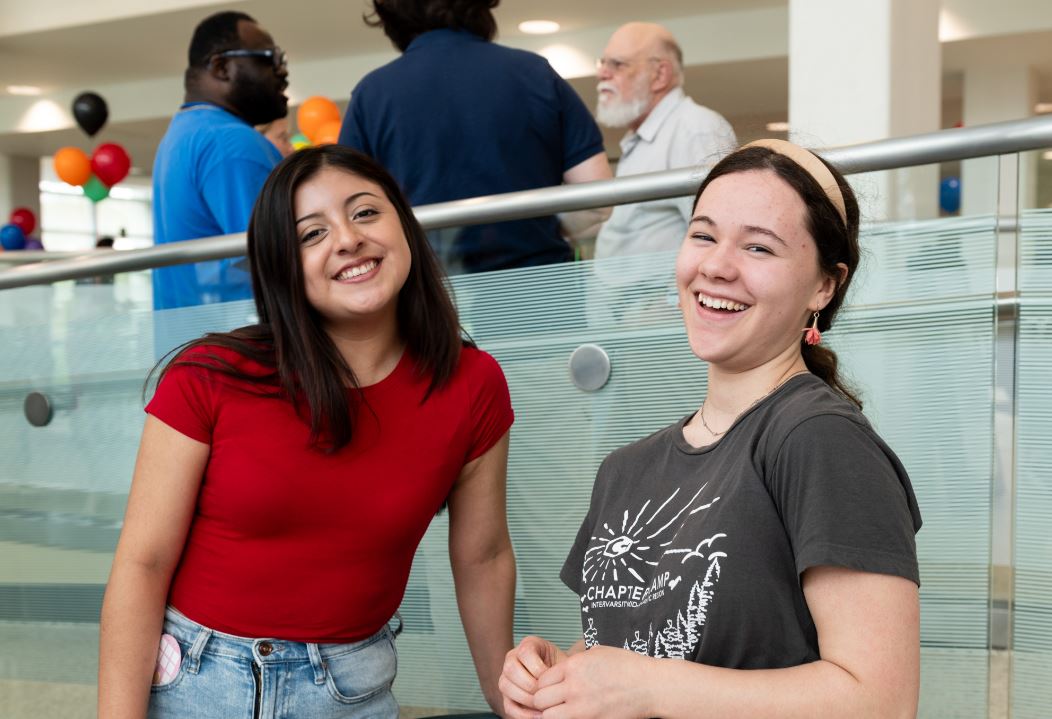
[
  {"x": 718, "y": 304},
  {"x": 357, "y": 271}
]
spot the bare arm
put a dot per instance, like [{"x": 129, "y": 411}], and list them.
[
  {"x": 161, "y": 503},
  {"x": 583, "y": 224},
  {"x": 869, "y": 639},
  {"x": 483, "y": 563}
]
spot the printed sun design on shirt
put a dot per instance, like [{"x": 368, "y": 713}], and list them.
[
  {"x": 618, "y": 557},
  {"x": 611, "y": 549}
]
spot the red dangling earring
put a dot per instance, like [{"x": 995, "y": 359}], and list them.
[{"x": 811, "y": 334}]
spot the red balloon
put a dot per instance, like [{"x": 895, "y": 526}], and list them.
[
  {"x": 110, "y": 163},
  {"x": 24, "y": 218}
]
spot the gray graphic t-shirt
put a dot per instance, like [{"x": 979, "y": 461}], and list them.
[{"x": 697, "y": 553}]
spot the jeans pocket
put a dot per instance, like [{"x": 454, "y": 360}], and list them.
[
  {"x": 159, "y": 688},
  {"x": 364, "y": 671}
]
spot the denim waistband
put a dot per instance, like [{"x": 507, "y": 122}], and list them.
[{"x": 202, "y": 640}]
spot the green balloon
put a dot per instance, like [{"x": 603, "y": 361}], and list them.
[{"x": 94, "y": 190}]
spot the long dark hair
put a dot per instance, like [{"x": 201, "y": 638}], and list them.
[
  {"x": 836, "y": 241},
  {"x": 403, "y": 20},
  {"x": 289, "y": 340}
]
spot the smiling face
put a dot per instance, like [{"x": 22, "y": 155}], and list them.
[
  {"x": 748, "y": 273},
  {"x": 354, "y": 252}
]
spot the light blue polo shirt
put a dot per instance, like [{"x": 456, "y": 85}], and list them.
[{"x": 208, "y": 171}]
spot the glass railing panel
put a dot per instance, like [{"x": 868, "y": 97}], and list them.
[
  {"x": 929, "y": 375},
  {"x": 63, "y": 486},
  {"x": 1031, "y": 692},
  {"x": 72, "y": 301},
  {"x": 916, "y": 338}
]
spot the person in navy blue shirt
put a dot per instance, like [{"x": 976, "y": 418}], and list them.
[
  {"x": 211, "y": 163},
  {"x": 459, "y": 116}
]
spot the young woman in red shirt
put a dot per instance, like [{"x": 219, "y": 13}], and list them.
[{"x": 289, "y": 469}]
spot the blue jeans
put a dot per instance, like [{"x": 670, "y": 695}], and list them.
[{"x": 230, "y": 677}]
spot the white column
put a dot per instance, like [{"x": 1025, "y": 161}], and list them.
[
  {"x": 6, "y": 204},
  {"x": 994, "y": 93},
  {"x": 19, "y": 186},
  {"x": 868, "y": 70}
]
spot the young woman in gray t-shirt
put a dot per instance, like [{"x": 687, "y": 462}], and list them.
[{"x": 756, "y": 558}]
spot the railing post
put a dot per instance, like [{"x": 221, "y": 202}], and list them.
[{"x": 1002, "y": 487}]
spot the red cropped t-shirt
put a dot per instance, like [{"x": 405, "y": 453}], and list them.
[{"x": 292, "y": 543}]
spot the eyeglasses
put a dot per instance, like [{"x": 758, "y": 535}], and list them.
[
  {"x": 276, "y": 55},
  {"x": 615, "y": 66}
]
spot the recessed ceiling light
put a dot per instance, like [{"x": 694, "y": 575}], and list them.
[
  {"x": 23, "y": 90},
  {"x": 538, "y": 27},
  {"x": 44, "y": 115},
  {"x": 777, "y": 127},
  {"x": 1042, "y": 107},
  {"x": 568, "y": 61}
]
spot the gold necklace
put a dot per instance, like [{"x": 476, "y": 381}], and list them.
[
  {"x": 765, "y": 395},
  {"x": 706, "y": 424}
]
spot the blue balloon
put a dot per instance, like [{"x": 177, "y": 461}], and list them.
[
  {"x": 950, "y": 194},
  {"x": 12, "y": 237}
]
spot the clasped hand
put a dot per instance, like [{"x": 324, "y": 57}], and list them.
[{"x": 539, "y": 679}]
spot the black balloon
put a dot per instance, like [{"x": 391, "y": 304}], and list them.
[{"x": 90, "y": 112}]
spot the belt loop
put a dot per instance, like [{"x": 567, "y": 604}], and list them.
[
  {"x": 316, "y": 663},
  {"x": 193, "y": 657}
]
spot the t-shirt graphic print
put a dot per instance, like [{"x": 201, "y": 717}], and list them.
[
  {"x": 698, "y": 553},
  {"x": 638, "y": 561}
]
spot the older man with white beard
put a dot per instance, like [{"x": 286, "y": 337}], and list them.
[{"x": 641, "y": 88}]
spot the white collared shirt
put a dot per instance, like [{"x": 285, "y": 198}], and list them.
[{"x": 677, "y": 133}]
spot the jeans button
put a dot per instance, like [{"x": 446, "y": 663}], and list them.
[{"x": 265, "y": 649}]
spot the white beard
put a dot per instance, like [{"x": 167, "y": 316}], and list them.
[{"x": 615, "y": 112}]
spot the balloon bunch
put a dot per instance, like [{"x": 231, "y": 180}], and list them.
[
  {"x": 15, "y": 234},
  {"x": 318, "y": 120},
  {"x": 109, "y": 162}
]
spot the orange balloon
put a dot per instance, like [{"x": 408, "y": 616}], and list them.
[
  {"x": 72, "y": 166},
  {"x": 328, "y": 133},
  {"x": 315, "y": 112}
]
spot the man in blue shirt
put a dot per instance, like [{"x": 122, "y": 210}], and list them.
[
  {"x": 211, "y": 163},
  {"x": 459, "y": 116}
]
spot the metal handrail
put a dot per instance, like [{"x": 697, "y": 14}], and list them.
[{"x": 932, "y": 147}]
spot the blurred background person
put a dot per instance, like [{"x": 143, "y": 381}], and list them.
[
  {"x": 211, "y": 163},
  {"x": 278, "y": 134},
  {"x": 641, "y": 88},
  {"x": 459, "y": 116}
]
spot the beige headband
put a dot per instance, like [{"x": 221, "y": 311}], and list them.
[{"x": 814, "y": 167}]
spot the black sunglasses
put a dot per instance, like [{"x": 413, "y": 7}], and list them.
[{"x": 276, "y": 55}]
